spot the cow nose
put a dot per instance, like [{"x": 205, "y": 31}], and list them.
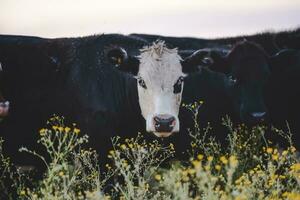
[
  {"x": 258, "y": 115},
  {"x": 164, "y": 123}
]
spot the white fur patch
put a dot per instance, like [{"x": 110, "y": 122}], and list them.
[{"x": 160, "y": 68}]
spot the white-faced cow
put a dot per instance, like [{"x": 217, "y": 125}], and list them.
[{"x": 160, "y": 73}]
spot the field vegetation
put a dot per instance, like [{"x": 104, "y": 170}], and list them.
[{"x": 248, "y": 167}]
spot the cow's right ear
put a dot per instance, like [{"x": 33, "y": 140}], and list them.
[
  {"x": 213, "y": 59},
  {"x": 122, "y": 61},
  {"x": 284, "y": 60},
  {"x": 196, "y": 60}
]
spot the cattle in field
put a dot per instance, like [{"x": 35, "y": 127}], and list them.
[
  {"x": 261, "y": 88},
  {"x": 83, "y": 79},
  {"x": 80, "y": 78}
]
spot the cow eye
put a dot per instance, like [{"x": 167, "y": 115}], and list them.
[
  {"x": 207, "y": 61},
  {"x": 232, "y": 80},
  {"x": 178, "y": 85},
  {"x": 142, "y": 83}
]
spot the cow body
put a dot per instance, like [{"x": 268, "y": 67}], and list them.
[
  {"x": 282, "y": 93},
  {"x": 68, "y": 77}
]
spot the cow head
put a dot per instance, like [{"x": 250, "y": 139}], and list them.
[
  {"x": 247, "y": 70},
  {"x": 4, "y": 105},
  {"x": 160, "y": 73},
  {"x": 249, "y": 75}
]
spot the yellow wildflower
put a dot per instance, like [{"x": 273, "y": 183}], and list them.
[
  {"x": 43, "y": 131},
  {"x": 224, "y": 160},
  {"x": 61, "y": 173},
  {"x": 54, "y": 127},
  {"x": 269, "y": 150},
  {"x": 196, "y": 164},
  {"x": 60, "y": 129},
  {"x": 200, "y": 156},
  {"x": 76, "y": 130},
  {"x": 67, "y": 129},
  {"x": 233, "y": 161},
  {"x": 157, "y": 177},
  {"x": 275, "y": 157},
  {"x": 218, "y": 167},
  {"x": 207, "y": 167},
  {"x": 295, "y": 167},
  {"x": 284, "y": 153}
]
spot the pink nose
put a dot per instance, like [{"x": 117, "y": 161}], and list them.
[{"x": 164, "y": 123}]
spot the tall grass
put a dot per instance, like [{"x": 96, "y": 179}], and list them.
[{"x": 249, "y": 167}]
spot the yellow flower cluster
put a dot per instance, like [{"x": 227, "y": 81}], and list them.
[{"x": 60, "y": 129}]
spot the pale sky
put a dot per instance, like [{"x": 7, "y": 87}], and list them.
[{"x": 198, "y": 18}]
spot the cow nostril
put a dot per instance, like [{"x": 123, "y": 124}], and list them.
[{"x": 156, "y": 119}]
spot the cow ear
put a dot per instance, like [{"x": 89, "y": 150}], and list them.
[
  {"x": 122, "y": 61},
  {"x": 117, "y": 56},
  {"x": 198, "y": 59},
  {"x": 215, "y": 60},
  {"x": 286, "y": 59},
  {"x": 222, "y": 62}
]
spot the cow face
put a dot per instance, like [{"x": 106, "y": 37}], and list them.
[
  {"x": 248, "y": 76},
  {"x": 159, "y": 72},
  {"x": 247, "y": 69}
]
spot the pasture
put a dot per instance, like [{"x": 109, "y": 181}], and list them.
[
  {"x": 149, "y": 100},
  {"x": 248, "y": 167}
]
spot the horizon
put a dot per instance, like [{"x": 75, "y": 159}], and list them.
[{"x": 193, "y": 18}]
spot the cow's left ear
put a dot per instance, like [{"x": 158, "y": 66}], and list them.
[{"x": 122, "y": 61}]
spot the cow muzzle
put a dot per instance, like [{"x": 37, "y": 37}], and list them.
[{"x": 164, "y": 125}]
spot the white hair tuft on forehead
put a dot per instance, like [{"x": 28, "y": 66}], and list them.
[{"x": 157, "y": 50}]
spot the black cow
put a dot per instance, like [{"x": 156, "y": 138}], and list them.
[
  {"x": 69, "y": 77},
  {"x": 282, "y": 94},
  {"x": 247, "y": 70},
  {"x": 262, "y": 88}
]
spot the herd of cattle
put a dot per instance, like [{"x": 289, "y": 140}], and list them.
[{"x": 118, "y": 85}]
